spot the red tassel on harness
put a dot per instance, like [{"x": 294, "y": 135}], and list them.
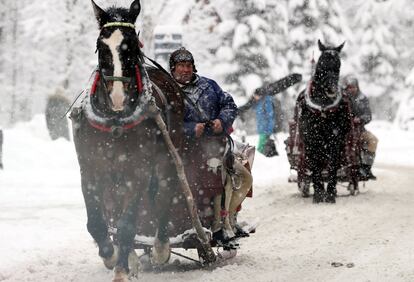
[
  {"x": 95, "y": 83},
  {"x": 139, "y": 79},
  {"x": 224, "y": 213}
]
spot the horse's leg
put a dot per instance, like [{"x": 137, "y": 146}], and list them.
[
  {"x": 335, "y": 150},
  {"x": 126, "y": 231},
  {"x": 96, "y": 225},
  {"x": 315, "y": 167},
  {"x": 161, "y": 251},
  {"x": 332, "y": 180}
]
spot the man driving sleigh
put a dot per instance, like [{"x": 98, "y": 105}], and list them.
[{"x": 208, "y": 117}]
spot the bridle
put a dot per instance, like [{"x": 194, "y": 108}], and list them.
[
  {"x": 116, "y": 124},
  {"x": 122, "y": 78}
]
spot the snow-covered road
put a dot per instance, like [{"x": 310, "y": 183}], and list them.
[{"x": 368, "y": 237}]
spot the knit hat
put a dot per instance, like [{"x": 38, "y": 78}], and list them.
[
  {"x": 181, "y": 55},
  {"x": 349, "y": 80}
]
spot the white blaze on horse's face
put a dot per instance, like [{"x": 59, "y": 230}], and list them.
[{"x": 117, "y": 92}]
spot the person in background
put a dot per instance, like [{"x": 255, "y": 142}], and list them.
[
  {"x": 265, "y": 121},
  {"x": 362, "y": 115}
]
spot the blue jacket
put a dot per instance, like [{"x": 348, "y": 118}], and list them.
[
  {"x": 212, "y": 102},
  {"x": 265, "y": 116}
]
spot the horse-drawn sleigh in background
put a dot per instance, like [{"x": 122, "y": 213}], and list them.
[
  {"x": 350, "y": 163},
  {"x": 324, "y": 144},
  {"x": 128, "y": 134}
]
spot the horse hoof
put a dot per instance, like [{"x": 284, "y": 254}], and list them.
[
  {"x": 160, "y": 253},
  {"x": 330, "y": 198},
  {"x": 317, "y": 199},
  {"x": 111, "y": 261},
  {"x": 120, "y": 275},
  {"x": 134, "y": 264}
]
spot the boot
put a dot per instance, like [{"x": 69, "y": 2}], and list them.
[
  {"x": 330, "y": 198},
  {"x": 330, "y": 195},
  {"x": 369, "y": 173},
  {"x": 366, "y": 173},
  {"x": 367, "y": 162}
]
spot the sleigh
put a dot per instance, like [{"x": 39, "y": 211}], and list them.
[
  {"x": 181, "y": 231},
  {"x": 350, "y": 166}
]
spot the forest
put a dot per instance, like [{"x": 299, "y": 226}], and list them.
[{"x": 48, "y": 46}]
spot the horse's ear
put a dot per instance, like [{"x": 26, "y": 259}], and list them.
[
  {"x": 101, "y": 16},
  {"x": 134, "y": 10},
  {"x": 339, "y": 48},
  {"x": 321, "y": 46}
]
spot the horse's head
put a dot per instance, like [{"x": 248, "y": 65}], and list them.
[
  {"x": 327, "y": 71},
  {"x": 120, "y": 58}
]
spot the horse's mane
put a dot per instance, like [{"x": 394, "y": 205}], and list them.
[
  {"x": 329, "y": 61},
  {"x": 118, "y": 14}
]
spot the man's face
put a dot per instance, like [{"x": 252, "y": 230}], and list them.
[
  {"x": 352, "y": 89},
  {"x": 183, "y": 72}
]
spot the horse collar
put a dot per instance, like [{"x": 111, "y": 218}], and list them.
[
  {"x": 319, "y": 108},
  {"x": 118, "y": 125}
]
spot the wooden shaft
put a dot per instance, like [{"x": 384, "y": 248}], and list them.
[{"x": 210, "y": 255}]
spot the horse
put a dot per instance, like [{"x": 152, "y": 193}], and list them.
[
  {"x": 121, "y": 151},
  {"x": 324, "y": 122}
]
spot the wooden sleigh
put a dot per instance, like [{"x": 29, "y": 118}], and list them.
[
  {"x": 181, "y": 232},
  {"x": 348, "y": 171}
]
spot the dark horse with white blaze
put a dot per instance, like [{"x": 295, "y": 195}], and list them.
[
  {"x": 324, "y": 121},
  {"x": 121, "y": 152}
]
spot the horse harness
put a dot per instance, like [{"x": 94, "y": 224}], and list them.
[
  {"x": 317, "y": 109},
  {"x": 144, "y": 87}
]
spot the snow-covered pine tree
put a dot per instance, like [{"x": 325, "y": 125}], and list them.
[
  {"x": 4, "y": 26},
  {"x": 13, "y": 95},
  {"x": 376, "y": 55},
  {"x": 44, "y": 45},
  {"x": 200, "y": 36},
  {"x": 60, "y": 36},
  {"x": 310, "y": 20},
  {"x": 245, "y": 55},
  {"x": 81, "y": 33},
  {"x": 402, "y": 30}
]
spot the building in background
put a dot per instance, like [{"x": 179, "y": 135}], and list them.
[{"x": 167, "y": 39}]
